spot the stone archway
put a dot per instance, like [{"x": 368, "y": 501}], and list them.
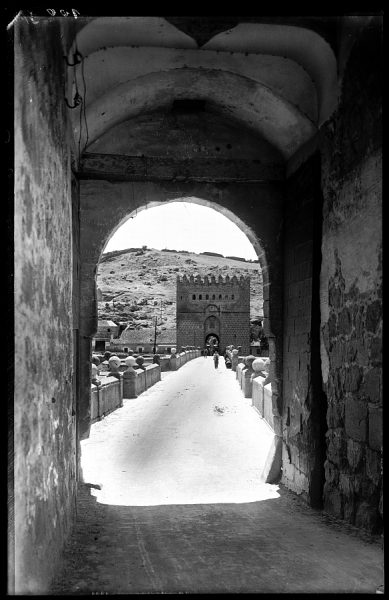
[
  {"x": 100, "y": 219},
  {"x": 212, "y": 342}
]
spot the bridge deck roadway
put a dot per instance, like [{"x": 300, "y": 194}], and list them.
[{"x": 182, "y": 508}]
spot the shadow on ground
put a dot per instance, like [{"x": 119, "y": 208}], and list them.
[{"x": 277, "y": 545}]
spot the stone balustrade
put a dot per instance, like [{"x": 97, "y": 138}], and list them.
[
  {"x": 106, "y": 397},
  {"x": 253, "y": 378},
  {"x": 110, "y": 387},
  {"x": 177, "y": 360},
  {"x": 239, "y": 372},
  {"x": 136, "y": 380},
  {"x": 262, "y": 397}
]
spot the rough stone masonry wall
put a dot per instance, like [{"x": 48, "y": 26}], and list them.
[
  {"x": 351, "y": 318},
  {"x": 302, "y": 446},
  {"x": 44, "y": 426}
]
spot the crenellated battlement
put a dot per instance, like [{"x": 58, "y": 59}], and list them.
[{"x": 185, "y": 281}]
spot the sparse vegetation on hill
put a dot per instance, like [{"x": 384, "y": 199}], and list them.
[{"x": 138, "y": 284}]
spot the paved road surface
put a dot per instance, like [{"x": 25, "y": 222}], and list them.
[{"x": 182, "y": 507}]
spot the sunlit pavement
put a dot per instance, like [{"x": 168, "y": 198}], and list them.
[
  {"x": 180, "y": 505},
  {"x": 190, "y": 439}
]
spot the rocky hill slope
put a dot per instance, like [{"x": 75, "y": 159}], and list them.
[{"x": 138, "y": 284}]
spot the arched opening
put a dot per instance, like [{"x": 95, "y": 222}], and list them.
[
  {"x": 211, "y": 342},
  {"x": 213, "y": 321},
  {"x": 257, "y": 253}
]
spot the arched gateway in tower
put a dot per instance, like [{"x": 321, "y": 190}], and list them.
[{"x": 210, "y": 308}]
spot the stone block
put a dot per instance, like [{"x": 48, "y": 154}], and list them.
[
  {"x": 305, "y": 460},
  {"x": 354, "y": 454},
  {"x": 346, "y": 484},
  {"x": 257, "y": 397},
  {"x": 337, "y": 354},
  {"x": 366, "y": 516},
  {"x": 352, "y": 378},
  {"x": 333, "y": 503},
  {"x": 376, "y": 349},
  {"x": 273, "y": 464},
  {"x": 356, "y": 419},
  {"x": 299, "y": 343},
  {"x": 302, "y": 324},
  {"x": 375, "y": 427},
  {"x": 359, "y": 321},
  {"x": 333, "y": 388},
  {"x": 349, "y": 504},
  {"x": 337, "y": 448},
  {"x": 373, "y": 465},
  {"x": 335, "y": 296},
  {"x": 362, "y": 356},
  {"x": 371, "y": 385},
  {"x": 277, "y": 425},
  {"x": 287, "y": 470},
  {"x": 289, "y": 327},
  {"x": 331, "y": 473},
  {"x": 345, "y": 321},
  {"x": 293, "y": 289},
  {"x": 292, "y": 307},
  {"x": 332, "y": 326},
  {"x": 373, "y": 315},
  {"x": 301, "y": 482},
  {"x": 294, "y": 424},
  {"x": 352, "y": 347},
  {"x": 335, "y": 414}
]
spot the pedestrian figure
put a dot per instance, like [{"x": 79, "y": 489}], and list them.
[{"x": 216, "y": 359}]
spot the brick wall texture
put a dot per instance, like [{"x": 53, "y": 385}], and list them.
[{"x": 208, "y": 306}]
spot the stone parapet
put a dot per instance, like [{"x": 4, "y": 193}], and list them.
[{"x": 106, "y": 397}]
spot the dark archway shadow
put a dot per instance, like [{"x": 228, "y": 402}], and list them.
[{"x": 273, "y": 546}]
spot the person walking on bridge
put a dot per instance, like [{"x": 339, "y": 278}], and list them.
[{"x": 216, "y": 359}]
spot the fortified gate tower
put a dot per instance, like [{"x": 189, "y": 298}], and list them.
[{"x": 209, "y": 307}]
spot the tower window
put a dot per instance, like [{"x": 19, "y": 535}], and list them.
[
  {"x": 232, "y": 296},
  {"x": 200, "y": 297},
  {"x": 207, "y": 296},
  {"x": 213, "y": 296},
  {"x": 194, "y": 297},
  {"x": 220, "y": 296}
]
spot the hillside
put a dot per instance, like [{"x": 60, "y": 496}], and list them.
[{"x": 136, "y": 285}]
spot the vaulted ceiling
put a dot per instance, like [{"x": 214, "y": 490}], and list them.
[{"x": 274, "y": 78}]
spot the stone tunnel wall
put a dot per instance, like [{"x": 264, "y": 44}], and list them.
[
  {"x": 351, "y": 318},
  {"x": 44, "y": 468},
  {"x": 303, "y": 436}
]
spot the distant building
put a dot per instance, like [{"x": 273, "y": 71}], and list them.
[
  {"x": 106, "y": 332},
  {"x": 213, "y": 311},
  {"x": 142, "y": 341}
]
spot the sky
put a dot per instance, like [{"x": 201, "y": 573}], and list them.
[{"x": 182, "y": 226}]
